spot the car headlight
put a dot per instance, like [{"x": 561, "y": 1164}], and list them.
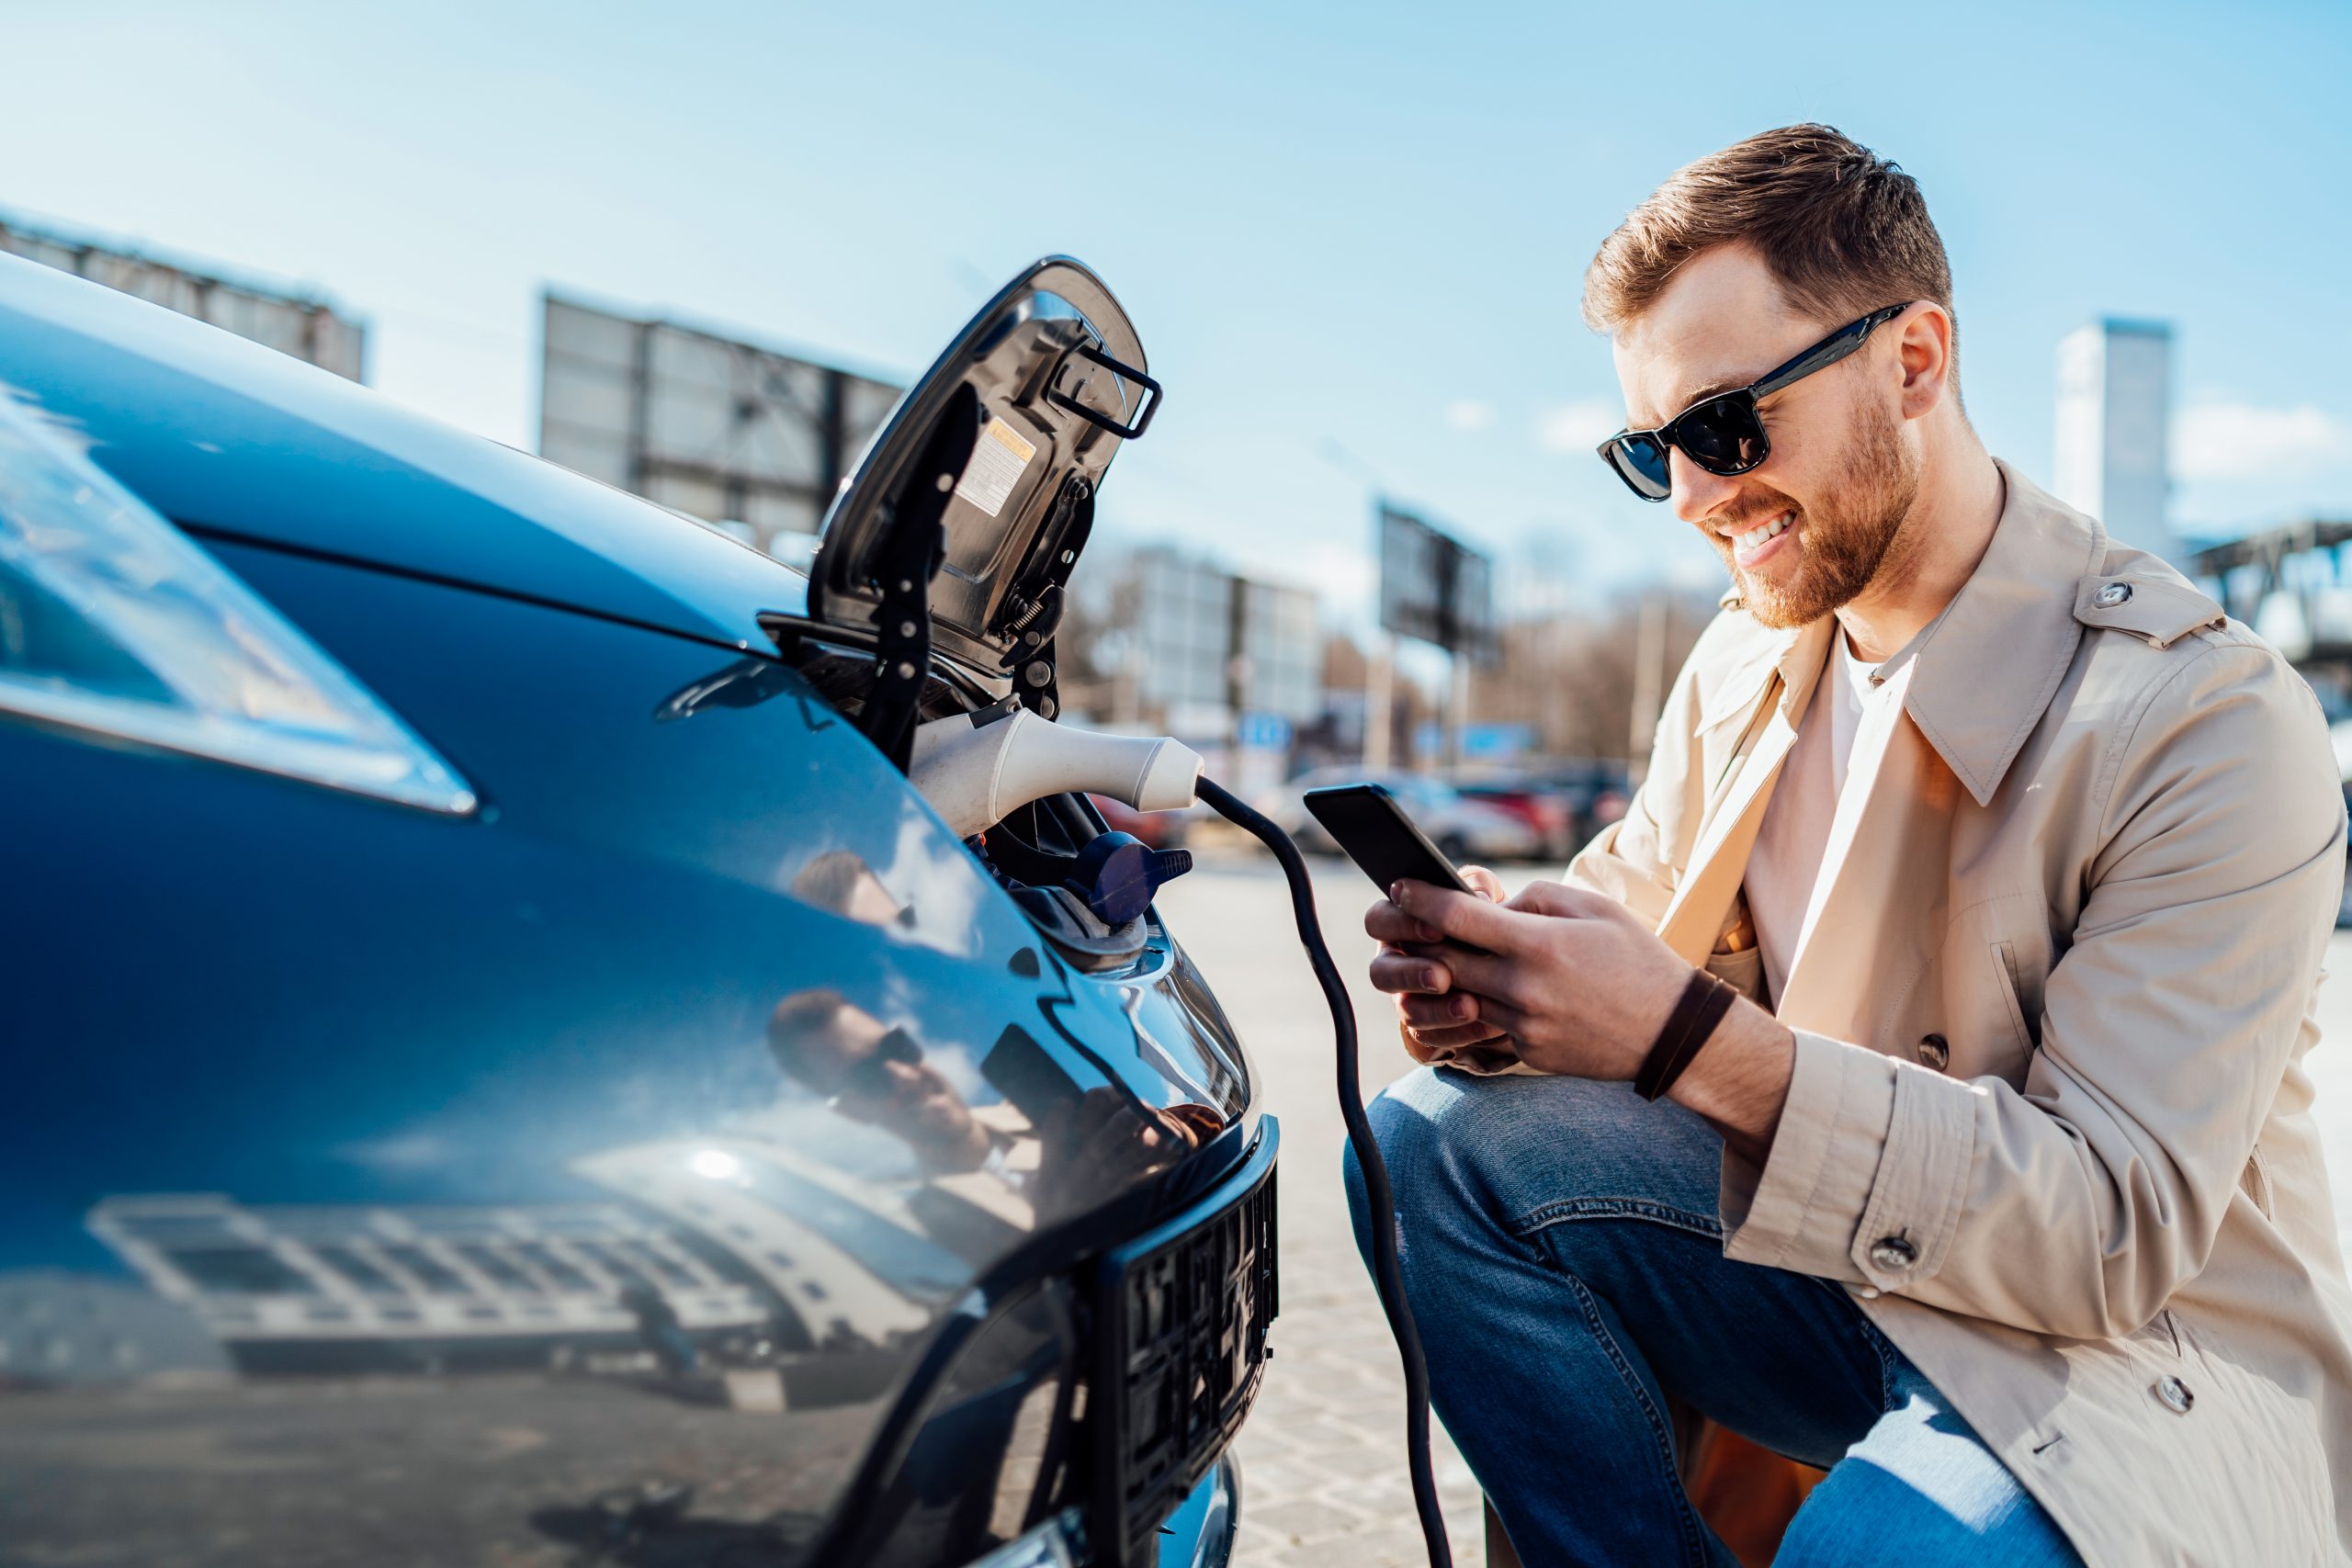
[{"x": 113, "y": 622}]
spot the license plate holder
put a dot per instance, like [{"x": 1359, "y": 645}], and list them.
[{"x": 1182, "y": 1317}]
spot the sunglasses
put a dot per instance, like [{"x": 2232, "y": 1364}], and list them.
[
  {"x": 1722, "y": 432},
  {"x": 871, "y": 1078}
]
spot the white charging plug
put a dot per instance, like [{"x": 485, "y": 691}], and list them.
[{"x": 976, "y": 774}]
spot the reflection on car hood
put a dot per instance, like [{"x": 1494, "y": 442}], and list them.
[{"x": 230, "y": 439}]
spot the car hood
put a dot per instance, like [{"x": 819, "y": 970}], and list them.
[{"x": 231, "y": 439}]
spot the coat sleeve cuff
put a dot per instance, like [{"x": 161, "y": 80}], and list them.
[{"x": 1867, "y": 1172}]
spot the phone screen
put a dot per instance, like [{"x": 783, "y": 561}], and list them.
[{"x": 1368, "y": 823}]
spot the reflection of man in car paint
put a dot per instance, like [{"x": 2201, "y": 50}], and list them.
[
  {"x": 877, "y": 1074},
  {"x": 1045, "y": 1127}
]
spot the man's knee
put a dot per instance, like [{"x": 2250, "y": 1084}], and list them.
[
  {"x": 1498, "y": 1145},
  {"x": 1429, "y": 1125},
  {"x": 1921, "y": 1489},
  {"x": 1865, "y": 1517}
]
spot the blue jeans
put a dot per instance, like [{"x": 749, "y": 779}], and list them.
[{"x": 1565, "y": 1261}]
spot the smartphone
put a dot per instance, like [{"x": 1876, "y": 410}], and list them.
[
  {"x": 1373, "y": 829},
  {"x": 1027, "y": 1075}
]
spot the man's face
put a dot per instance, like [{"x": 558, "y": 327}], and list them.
[
  {"x": 1844, "y": 468},
  {"x": 851, "y": 1057}
]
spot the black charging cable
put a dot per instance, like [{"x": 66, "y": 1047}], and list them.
[{"x": 1387, "y": 1275}]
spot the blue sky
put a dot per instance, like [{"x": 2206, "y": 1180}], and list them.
[{"x": 1350, "y": 235}]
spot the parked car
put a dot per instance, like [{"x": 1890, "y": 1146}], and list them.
[
  {"x": 504, "y": 1070},
  {"x": 1544, "y": 806},
  {"x": 1464, "y": 830},
  {"x": 1566, "y": 801},
  {"x": 1597, "y": 790}
]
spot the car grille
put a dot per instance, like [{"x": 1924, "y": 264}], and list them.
[{"x": 1182, "y": 1323}]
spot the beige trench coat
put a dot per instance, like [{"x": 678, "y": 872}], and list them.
[{"x": 2050, "y": 1122}]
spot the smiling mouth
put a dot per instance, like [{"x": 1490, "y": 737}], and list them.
[{"x": 1770, "y": 527}]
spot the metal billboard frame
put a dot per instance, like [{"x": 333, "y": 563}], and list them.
[
  {"x": 1433, "y": 587},
  {"x": 706, "y": 423}
]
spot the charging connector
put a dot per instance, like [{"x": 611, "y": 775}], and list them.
[
  {"x": 1387, "y": 1272},
  {"x": 978, "y": 769}
]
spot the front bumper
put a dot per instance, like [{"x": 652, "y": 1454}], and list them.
[
  {"x": 1199, "y": 1534},
  {"x": 1182, "y": 1316}
]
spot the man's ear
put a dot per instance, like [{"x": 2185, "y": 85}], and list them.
[{"x": 1924, "y": 351}]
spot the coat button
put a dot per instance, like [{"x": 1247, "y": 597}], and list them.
[
  {"x": 1894, "y": 1253},
  {"x": 2114, "y": 594},
  {"x": 1935, "y": 1051},
  {"x": 2174, "y": 1393}
]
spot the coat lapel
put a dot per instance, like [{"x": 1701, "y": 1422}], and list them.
[
  {"x": 1727, "y": 827},
  {"x": 1876, "y": 909},
  {"x": 1951, "y": 721}
]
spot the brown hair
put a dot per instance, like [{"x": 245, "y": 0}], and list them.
[{"x": 1843, "y": 230}]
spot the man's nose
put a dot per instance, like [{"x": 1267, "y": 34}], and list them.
[{"x": 1695, "y": 494}]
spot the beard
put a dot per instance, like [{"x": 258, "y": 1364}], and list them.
[{"x": 1848, "y": 542}]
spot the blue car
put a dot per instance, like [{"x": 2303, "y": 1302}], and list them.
[{"x": 503, "y": 1065}]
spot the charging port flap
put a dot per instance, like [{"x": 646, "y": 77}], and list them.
[{"x": 1059, "y": 383}]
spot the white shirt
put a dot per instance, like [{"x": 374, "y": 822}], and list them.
[{"x": 1795, "y": 831}]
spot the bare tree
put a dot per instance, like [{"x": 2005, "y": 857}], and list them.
[{"x": 1571, "y": 679}]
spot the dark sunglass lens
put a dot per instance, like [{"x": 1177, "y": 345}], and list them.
[
  {"x": 1642, "y": 460},
  {"x": 1721, "y": 436}
]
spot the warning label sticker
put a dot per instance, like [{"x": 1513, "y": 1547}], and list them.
[{"x": 998, "y": 458}]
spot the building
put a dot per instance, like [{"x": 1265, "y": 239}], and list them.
[
  {"x": 733, "y": 434},
  {"x": 1279, "y": 651},
  {"x": 2114, "y": 408},
  {"x": 306, "y": 325},
  {"x": 1197, "y": 652},
  {"x": 1177, "y": 612}
]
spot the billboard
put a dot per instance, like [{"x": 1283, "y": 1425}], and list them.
[
  {"x": 1179, "y": 614},
  {"x": 304, "y": 325},
  {"x": 1278, "y": 641},
  {"x": 1433, "y": 587},
  {"x": 1192, "y": 650},
  {"x": 720, "y": 429}
]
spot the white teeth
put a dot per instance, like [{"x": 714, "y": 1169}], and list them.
[{"x": 1762, "y": 531}]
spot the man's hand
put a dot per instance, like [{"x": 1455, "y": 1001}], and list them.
[
  {"x": 1577, "y": 985},
  {"x": 1575, "y": 978},
  {"x": 1441, "y": 1025}
]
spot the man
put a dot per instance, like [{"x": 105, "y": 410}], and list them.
[
  {"x": 1997, "y": 1193},
  {"x": 878, "y": 1076},
  {"x": 1043, "y": 1147}
]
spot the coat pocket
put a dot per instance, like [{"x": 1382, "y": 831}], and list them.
[
  {"x": 2025, "y": 1030},
  {"x": 2256, "y": 1181}
]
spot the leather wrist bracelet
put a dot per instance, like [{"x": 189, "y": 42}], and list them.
[{"x": 1688, "y": 1027}]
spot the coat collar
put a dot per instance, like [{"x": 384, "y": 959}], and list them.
[
  {"x": 1994, "y": 659},
  {"x": 1991, "y": 666}
]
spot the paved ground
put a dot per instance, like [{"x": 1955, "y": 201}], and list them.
[{"x": 1322, "y": 1455}]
